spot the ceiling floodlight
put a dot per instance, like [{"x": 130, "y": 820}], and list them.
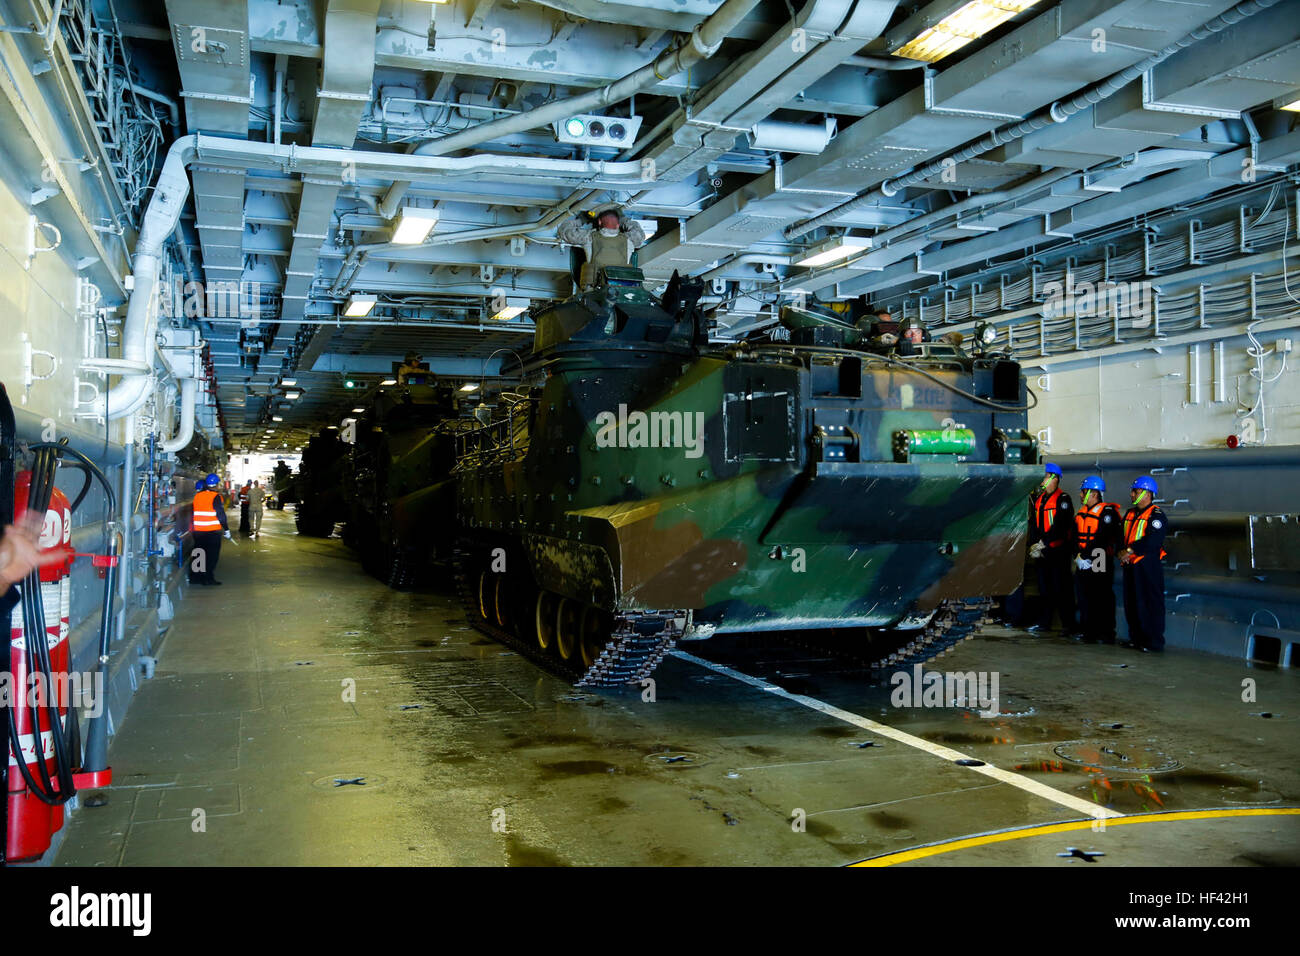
[
  {"x": 389, "y": 381},
  {"x": 287, "y": 382},
  {"x": 945, "y": 27},
  {"x": 359, "y": 306},
  {"x": 413, "y": 225},
  {"x": 292, "y": 395},
  {"x": 834, "y": 249},
  {"x": 469, "y": 387},
  {"x": 276, "y": 418},
  {"x": 1289, "y": 103},
  {"x": 513, "y": 307},
  {"x": 358, "y": 409}
]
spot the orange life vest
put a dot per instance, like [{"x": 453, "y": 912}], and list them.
[
  {"x": 1044, "y": 510},
  {"x": 205, "y": 512},
  {"x": 1087, "y": 522},
  {"x": 1135, "y": 528}
]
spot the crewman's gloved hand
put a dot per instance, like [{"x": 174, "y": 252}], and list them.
[
  {"x": 1036, "y": 550},
  {"x": 226, "y": 534},
  {"x": 1084, "y": 564}
]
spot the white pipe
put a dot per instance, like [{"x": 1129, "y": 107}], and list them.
[
  {"x": 185, "y": 429},
  {"x": 138, "y": 334}
]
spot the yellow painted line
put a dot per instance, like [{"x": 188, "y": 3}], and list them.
[
  {"x": 1037, "y": 788},
  {"x": 1003, "y": 836}
]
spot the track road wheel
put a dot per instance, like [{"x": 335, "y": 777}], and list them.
[
  {"x": 544, "y": 619},
  {"x": 594, "y": 635},
  {"x": 487, "y": 596},
  {"x": 500, "y": 603},
  {"x": 568, "y": 627}
]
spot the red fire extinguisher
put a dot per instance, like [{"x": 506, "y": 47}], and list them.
[{"x": 40, "y": 692}]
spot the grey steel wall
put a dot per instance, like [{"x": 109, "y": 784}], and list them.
[{"x": 1216, "y": 600}]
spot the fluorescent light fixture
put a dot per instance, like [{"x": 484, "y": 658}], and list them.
[
  {"x": 359, "y": 306},
  {"x": 414, "y": 224},
  {"x": 358, "y": 409},
  {"x": 287, "y": 382},
  {"x": 513, "y": 307},
  {"x": 832, "y": 250},
  {"x": 276, "y": 418},
  {"x": 469, "y": 387},
  {"x": 389, "y": 381},
  {"x": 292, "y": 395},
  {"x": 1282, "y": 104},
  {"x": 968, "y": 22},
  {"x": 332, "y": 428}
]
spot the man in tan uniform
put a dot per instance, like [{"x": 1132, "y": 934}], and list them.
[{"x": 607, "y": 237}]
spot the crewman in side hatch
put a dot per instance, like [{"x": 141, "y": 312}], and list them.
[{"x": 606, "y": 236}]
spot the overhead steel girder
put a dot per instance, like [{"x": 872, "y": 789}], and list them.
[
  {"x": 382, "y": 364},
  {"x": 1044, "y": 59},
  {"x": 594, "y": 55},
  {"x": 758, "y": 84},
  {"x": 210, "y": 39},
  {"x": 1169, "y": 189},
  {"x": 347, "y": 71},
  {"x": 1242, "y": 66},
  {"x": 346, "y": 75}
]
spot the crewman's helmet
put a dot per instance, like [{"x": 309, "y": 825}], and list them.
[
  {"x": 1145, "y": 483},
  {"x": 1051, "y": 469},
  {"x": 1093, "y": 483},
  {"x": 212, "y": 481}
]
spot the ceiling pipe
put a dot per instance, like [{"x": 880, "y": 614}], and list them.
[
  {"x": 704, "y": 41},
  {"x": 1057, "y": 112}
]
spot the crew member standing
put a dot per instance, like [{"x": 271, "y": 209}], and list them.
[
  {"x": 606, "y": 236},
  {"x": 1050, "y": 524},
  {"x": 256, "y": 498},
  {"x": 1143, "y": 532},
  {"x": 1096, "y": 531},
  {"x": 209, "y": 523}
]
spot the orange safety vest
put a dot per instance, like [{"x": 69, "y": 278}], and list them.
[
  {"x": 1135, "y": 527},
  {"x": 1087, "y": 522},
  {"x": 1044, "y": 510},
  {"x": 205, "y": 512}
]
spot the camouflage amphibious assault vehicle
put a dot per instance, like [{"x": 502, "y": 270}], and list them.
[
  {"x": 319, "y": 484},
  {"x": 399, "y": 494},
  {"x": 655, "y": 488}
]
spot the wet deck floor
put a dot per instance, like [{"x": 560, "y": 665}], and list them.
[{"x": 467, "y": 754}]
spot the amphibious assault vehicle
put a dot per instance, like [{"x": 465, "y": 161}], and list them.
[
  {"x": 319, "y": 484},
  {"x": 398, "y": 488},
  {"x": 657, "y": 488}
]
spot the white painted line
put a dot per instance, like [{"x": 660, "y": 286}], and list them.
[{"x": 1076, "y": 804}]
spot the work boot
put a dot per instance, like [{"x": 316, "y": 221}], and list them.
[{"x": 213, "y": 581}]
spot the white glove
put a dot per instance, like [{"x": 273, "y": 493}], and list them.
[
  {"x": 1084, "y": 564},
  {"x": 226, "y": 535},
  {"x": 1036, "y": 550}
]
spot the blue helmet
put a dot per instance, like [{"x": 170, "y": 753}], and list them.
[
  {"x": 1093, "y": 483},
  {"x": 212, "y": 481},
  {"x": 1145, "y": 483},
  {"x": 1051, "y": 469}
]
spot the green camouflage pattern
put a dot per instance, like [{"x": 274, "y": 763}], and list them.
[{"x": 757, "y": 487}]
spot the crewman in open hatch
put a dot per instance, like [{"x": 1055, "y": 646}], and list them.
[{"x": 606, "y": 236}]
